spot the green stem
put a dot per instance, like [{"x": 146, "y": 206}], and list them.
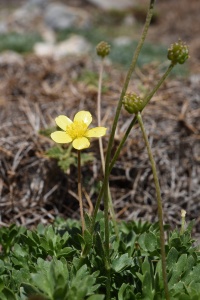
[
  {"x": 121, "y": 144},
  {"x": 111, "y": 208},
  {"x": 111, "y": 139},
  {"x": 128, "y": 77},
  {"x": 97, "y": 207},
  {"x": 124, "y": 89},
  {"x": 107, "y": 234},
  {"x": 80, "y": 192},
  {"x": 133, "y": 122},
  {"x": 159, "y": 203},
  {"x": 99, "y": 114}
]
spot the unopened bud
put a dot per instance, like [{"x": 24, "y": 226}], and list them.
[
  {"x": 103, "y": 49},
  {"x": 133, "y": 103},
  {"x": 178, "y": 53},
  {"x": 183, "y": 213}
]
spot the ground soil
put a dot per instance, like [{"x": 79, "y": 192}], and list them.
[{"x": 33, "y": 92}]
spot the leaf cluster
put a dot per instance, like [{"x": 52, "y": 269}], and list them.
[
  {"x": 57, "y": 262},
  {"x": 67, "y": 158}
]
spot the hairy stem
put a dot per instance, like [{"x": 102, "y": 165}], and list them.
[
  {"x": 159, "y": 204},
  {"x": 111, "y": 139},
  {"x": 111, "y": 208},
  {"x": 121, "y": 144},
  {"x": 99, "y": 113},
  {"x": 133, "y": 122},
  {"x": 80, "y": 192},
  {"x": 128, "y": 77}
]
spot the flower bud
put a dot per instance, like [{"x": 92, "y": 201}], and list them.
[
  {"x": 103, "y": 49},
  {"x": 133, "y": 103},
  {"x": 178, "y": 53},
  {"x": 183, "y": 213}
]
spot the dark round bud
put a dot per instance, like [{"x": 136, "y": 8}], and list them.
[
  {"x": 178, "y": 53},
  {"x": 103, "y": 49},
  {"x": 133, "y": 103}
]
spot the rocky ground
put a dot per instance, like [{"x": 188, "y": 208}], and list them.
[{"x": 35, "y": 88}]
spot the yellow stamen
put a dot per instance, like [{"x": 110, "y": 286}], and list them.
[{"x": 76, "y": 129}]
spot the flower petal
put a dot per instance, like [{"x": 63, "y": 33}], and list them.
[
  {"x": 81, "y": 143},
  {"x": 63, "y": 121},
  {"x": 96, "y": 132},
  {"x": 61, "y": 137},
  {"x": 84, "y": 116}
]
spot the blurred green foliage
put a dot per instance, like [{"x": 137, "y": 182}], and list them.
[{"x": 21, "y": 43}]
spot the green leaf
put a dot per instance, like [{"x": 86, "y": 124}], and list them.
[
  {"x": 30, "y": 290},
  {"x": 19, "y": 251},
  {"x": 121, "y": 263},
  {"x": 126, "y": 292},
  {"x": 66, "y": 252},
  {"x": 148, "y": 241},
  {"x": 2, "y": 267},
  {"x": 43, "y": 283},
  {"x": 151, "y": 241},
  {"x": 96, "y": 297},
  {"x": 88, "y": 221},
  {"x": 172, "y": 258},
  {"x": 147, "y": 286},
  {"x": 99, "y": 246},
  {"x": 178, "y": 269},
  {"x": 88, "y": 241},
  {"x": 146, "y": 266},
  {"x": 8, "y": 294}
]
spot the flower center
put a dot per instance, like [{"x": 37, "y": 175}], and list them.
[{"x": 76, "y": 129}]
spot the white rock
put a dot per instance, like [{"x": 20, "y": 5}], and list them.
[
  {"x": 39, "y": 3},
  {"x": 24, "y": 15},
  {"x": 122, "y": 41},
  {"x": 48, "y": 35},
  {"x": 59, "y": 16},
  {"x": 113, "y": 4},
  {"x": 11, "y": 57},
  {"x": 44, "y": 49},
  {"x": 129, "y": 20},
  {"x": 195, "y": 79},
  {"x": 3, "y": 28},
  {"x": 75, "y": 45}
]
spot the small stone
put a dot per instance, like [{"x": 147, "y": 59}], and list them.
[
  {"x": 44, "y": 49},
  {"x": 39, "y": 3},
  {"x": 48, "y": 35},
  {"x": 60, "y": 16},
  {"x": 3, "y": 28},
  {"x": 10, "y": 58},
  {"x": 76, "y": 45},
  {"x": 26, "y": 15},
  {"x": 113, "y": 4},
  {"x": 122, "y": 41}
]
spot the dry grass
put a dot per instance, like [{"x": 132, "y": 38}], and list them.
[{"x": 33, "y": 189}]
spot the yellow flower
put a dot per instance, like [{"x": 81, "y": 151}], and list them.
[{"x": 77, "y": 131}]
